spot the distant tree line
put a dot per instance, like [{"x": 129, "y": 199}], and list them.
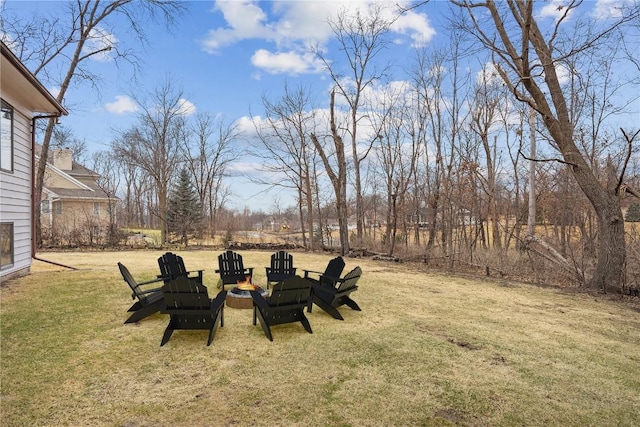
[{"x": 443, "y": 164}]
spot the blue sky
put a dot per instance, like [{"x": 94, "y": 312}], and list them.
[{"x": 227, "y": 54}]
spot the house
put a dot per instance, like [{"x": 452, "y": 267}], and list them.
[
  {"x": 74, "y": 209},
  {"x": 24, "y": 100}
]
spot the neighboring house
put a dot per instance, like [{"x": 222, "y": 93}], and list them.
[
  {"x": 74, "y": 209},
  {"x": 24, "y": 100}
]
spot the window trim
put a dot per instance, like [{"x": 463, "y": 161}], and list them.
[{"x": 9, "y": 107}]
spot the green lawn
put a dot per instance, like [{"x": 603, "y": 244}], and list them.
[{"x": 426, "y": 349}]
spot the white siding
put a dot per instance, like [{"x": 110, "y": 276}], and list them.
[{"x": 15, "y": 203}]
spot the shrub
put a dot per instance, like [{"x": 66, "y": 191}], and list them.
[{"x": 633, "y": 213}]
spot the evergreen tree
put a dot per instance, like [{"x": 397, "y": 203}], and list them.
[
  {"x": 185, "y": 211},
  {"x": 633, "y": 213}
]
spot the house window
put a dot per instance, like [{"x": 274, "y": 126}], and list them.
[
  {"x": 45, "y": 206},
  {"x": 96, "y": 208},
  {"x": 58, "y": 207},
  {"x": 6, "y": 137},
  {"x": 6, "y": 244}
]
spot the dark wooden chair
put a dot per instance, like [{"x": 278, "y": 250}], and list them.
[
  {"x": 188, "y": 305},
  {"x": 281, "y": 267},
  {"x": 149, "y": 299},
  {"x": 331, "y": 296},
  {"x": 172, "y": 266},
  {"x": 285, "y": 305},
  {"x": 331, "y": 273},
  {"x": 232, "y": 270}
]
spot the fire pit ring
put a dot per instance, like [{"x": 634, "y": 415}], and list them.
[{"x": 240, "y": 298}]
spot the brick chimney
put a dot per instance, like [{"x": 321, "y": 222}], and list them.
[{"x": 63, "y": 159}]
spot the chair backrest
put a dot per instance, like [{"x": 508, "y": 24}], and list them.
[
  {"x": 183, "y": 293},
  {"x": 333, "y": 270},
  {"x": 126, "y": 275},
  {"x": 292, "y": 291},
  {"x": 350, "y": 280},
  {"x": 282, "y": 262},
  {"x": 230, "y": 264},
  {"x": 172, "y": 266}
]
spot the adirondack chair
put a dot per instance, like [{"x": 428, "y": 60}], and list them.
[
  {"x": 172, "y": 266},
  {"x": 285, "y": 305},
  {"x": 330, "y": 275},
  {"x": 331, "y": 296},
  {"x": 232, "y": 270},
  {"x": 149, "y": 299},
  {"x": 188, "y": 305},
  {"x": 281, "y": 267}
]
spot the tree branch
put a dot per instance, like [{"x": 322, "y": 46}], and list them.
[
  {"x": 626, "y": 162},
  {"x": 524, "y": 156}
]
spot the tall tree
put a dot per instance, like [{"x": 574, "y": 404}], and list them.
[
  {"x": 65, "y": 44},
  {"x": 361, "y": 37},
  {"x": 484, "y": 115},
  {"x": 108, "y": 168},
  {"x": 528, "y": 59},
  {"x": 184, "y": 213},
  {"x": 153, "y": 145},
  {"x": 397, "y": 152},
  {"x": 288, "y": 151},
  {"x": 335, "y": 164},
  {"x": 209, "y": 151}
]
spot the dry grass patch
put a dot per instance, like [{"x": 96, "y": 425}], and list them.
[{"x": 427, "y": 349}]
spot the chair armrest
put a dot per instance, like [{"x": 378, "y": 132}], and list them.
[
  {"x": 158, "y": 279},
  {"x": 141, "y": 293},
  {"x": 306, "y": 272},
  {"x": 149, "y": 291},
  {"x": 335, "y": 281},
  {"x": 259, "y": 300},
  {"x": 195, "y": 271},
  {"x": 218, "y": 301}
]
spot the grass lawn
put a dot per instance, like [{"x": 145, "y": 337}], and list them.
[{"x": 426, "y": 349}]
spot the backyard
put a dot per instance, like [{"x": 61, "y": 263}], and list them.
[{"x": 427, "y": 349}]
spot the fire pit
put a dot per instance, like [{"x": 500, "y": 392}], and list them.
[{"x": 239, "y": 297}]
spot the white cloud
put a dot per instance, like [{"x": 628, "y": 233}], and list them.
[
  {"x": 185, "y": 107},
  {"x": 100, "y": 41},
  {"x": 286, "y": 62},
  {"x": 488, "y": 74},
  {"x": 123, "y": 104},
  {"x": 605, "y": 9},
  {"x": 246, "y": 20},
  {"x": 416, "y": 25},
  {"x": 293, "y": 26},
  {"x": 555, "y": 9}
]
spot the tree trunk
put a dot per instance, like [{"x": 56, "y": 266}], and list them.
[{"x": 609, "y": 274}]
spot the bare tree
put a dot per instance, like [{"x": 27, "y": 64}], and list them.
[
  {"x": 528, "y": 59},
  {"x": 439, "y": 86},
  {"x": 335, "y": 164},
  {"x": 484, "y": 116},
  {"x": 285, "y": 139},
  {"x": 361, "y": 38},
  {"x": 209, "y": 151},
  {"x": 65, "y": 44},
  {"x": 397, "y": 155},
  {"x": 154, "y": 143},
  {"x": 63, "y": 137},
  {"x": 108, "y": 168}
]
